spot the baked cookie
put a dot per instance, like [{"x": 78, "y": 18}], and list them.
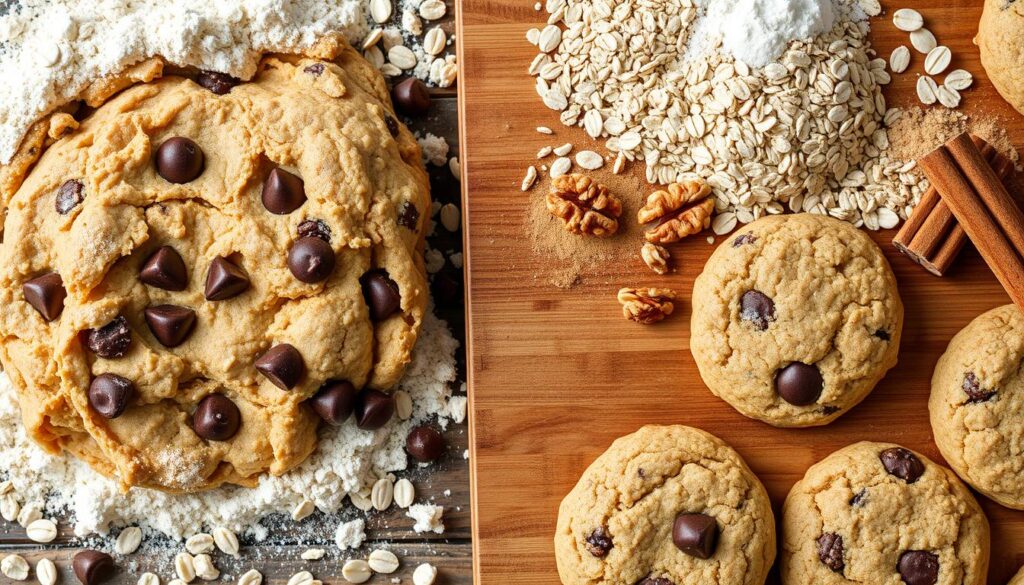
[
  {"x": 1001, "y": 43},
  {"x": 977, "y": 405},
  {"x": 1018, "y": 579},
  {"x": 666, "y": 505},
  {"x": 201, "y": 268},
  {"x": 878, "y": 513},
  {"x": 795, "y": 319}
]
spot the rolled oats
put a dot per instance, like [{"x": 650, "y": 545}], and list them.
[
  {"x": 356, "y": 571},
  {"x": 313, "y": 554},
  {"x": 14, "y": 567},
  {"x": 926, "y": 90},
  {"x": 562, "y": 150},
  {"x": 435, "y": 40},
  {"x": 958, "y": 79},
  {"x": 29, "y": 513},
  {"x": 433, "y": 9},
  {"x": 560, "y": 167},
  {"x": 529, "y": 179},
  {"x": 545, "y": 130},
  {"x": 128, "y": 541},
  {"x": 226, "y": 541},
  {"x": 405, "y": 493},
  {"x": 544, "y": 151},
  {"x": 43, "y": 531},
  {"x": 301, "y": 578},
  {"x": 382, "y": 494},
  {"x": 251, "y": 577},
  {"x": 383, "y": 561},
  {"x": 923, "y": 40},
  {"x": 589, "y": 160},
  {"x": 899, "y": 60},
  {"x": 425, "y": 574},
  {"x": 205, "y": 569},
  {"x": 947, "y": 97},
  {"x": 46, "y": 572},
  {"x": 402, "y": 57},
  {"x": 9, "y": 507},
  {"x": 303, "y": 510},
  {"x": 937, "y": 60},
  {"x": 380, "y": 10},
  {"x": 907, "y": 19},
  {"x": 185, "y": 567},
  {"x": 199, "y": 543}
]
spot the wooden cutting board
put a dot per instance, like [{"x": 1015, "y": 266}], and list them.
[{"x": 557, "y": 374}]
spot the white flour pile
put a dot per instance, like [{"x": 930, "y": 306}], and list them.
[{"x": 347, "y": 460}]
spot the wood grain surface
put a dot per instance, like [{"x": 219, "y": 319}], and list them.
[
  {"x": 445, "y": 483},
  {"x": 556, "y": 375}
]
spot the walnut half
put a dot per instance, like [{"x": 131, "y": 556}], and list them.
[
  {"x": 647, "y": 305},
  {"x": 584, "y": 205},
  {"x": 682, "y": 209}
]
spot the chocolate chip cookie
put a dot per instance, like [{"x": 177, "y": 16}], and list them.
[
  {"x": 666, "y": 505},
  {"x": 205, "y": 269},
  {"x": 795, "y": 319},
  {"x": 879, "y": 513},
  {"x": 977, "y": 403}
]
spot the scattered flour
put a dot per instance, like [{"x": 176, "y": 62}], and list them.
[
  {"x": 427, "y": 517},
  {"x": 350, "y": 535},
  {"x": 347, "y": 460}
]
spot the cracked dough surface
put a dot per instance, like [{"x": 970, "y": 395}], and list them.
[
  {"x": 835, "y": 302},
  {"x": 328, "y": 128},
  {"x": 936, "y": 513},
  {"x": 1001, "y": 43},
  {"x": 636, "y": 489},
  {"x": 983, "y": 439}
]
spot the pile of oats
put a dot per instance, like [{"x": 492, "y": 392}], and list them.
[{"x": 806, "y": 132}]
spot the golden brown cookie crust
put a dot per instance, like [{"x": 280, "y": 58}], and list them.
[{"x": 1001, "y": 42}]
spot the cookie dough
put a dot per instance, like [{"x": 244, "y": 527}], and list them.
[
  {"x": 879, "y": 513},
  {"x": 666, "y": 504},
  {"x": 186, "y": 269},
  {"x": 977, "y": 405},
  {"x": 1001, "y": 43},
  {"x": 795, "y": 319}
]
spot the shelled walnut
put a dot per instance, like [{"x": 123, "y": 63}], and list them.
[
  {"x": 681, "y": 209},
  {"x": 647, "y": 305},
  {"x": 584, "y": 205},
  {"x": 655, "y": 257}
]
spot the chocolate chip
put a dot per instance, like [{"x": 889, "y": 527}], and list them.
[
  {"x": 46, "y": 294},
  {"x": 830, "y": 551},
  {"x": 975, "y": 393},
  {"x": 315, "y": 69},
  {"x": 92, "y": 566},
  {"x": 282, "y": 365},
  {"x": 757, "y": 308},
  {"x": 654, "y": 581},
  {"x": 218, "y": 83},
  {"x": 425, "y": 444},
  {"x": 109, "y": 394},
  {"x": 799, "y": 384},
  {"x": 902, "y": 463},
  {"x": 110, "y": 341},
  {"x": 882, "y": 334},
  {"x": 743, "y": 239},
  {"x": 164, "y": 269},
  {"x": 392, "y": 125},
  {"x": 599, "y": 542},
  {"x": 315, "y": 228},
  {"x": 695, "y": 535},
  {"x": 179, "y": 160},
  {"x": 858, "y": 498},
  {"x": 381, "y": 294},
  {"x": 170, "y": 324},
  {"x": 69, "y": 196},
  {"x": 918, "y": 567},
  {"x": 373, "y": 409},
  {"x": 283, "y": 192},
  {"x": 334, "y": 401},
  {"x": 411, "y": 97},
  {"x": 311, "y": 259},
  {"x": 216, "y": 418},
  {"x": 225, "y": 280},
  {"x": 409, "y": 216},
  {"x": 829, "y": 409}
]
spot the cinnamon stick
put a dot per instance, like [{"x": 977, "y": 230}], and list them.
[{"x": 983, "y": 207}]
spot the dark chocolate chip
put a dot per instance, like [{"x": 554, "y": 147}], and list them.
[
  {"x": 392, "y": 125},
  {"x": 425, "y": 444},
  {"x": 315, "y": 228},
  {"x": 799, "y": 384},
  {"x": 218, "y": 83},
  {"x": 92, "y": 566},
  {"x": 283, "y": 192},
  {"x": 282, "y": 365},
  {"x": 599, "y": 542},
  {"x": 109, "y": 394},
  {"x": 409, "y": 216},
  {"x": 69, "y": 196},
  {"x": 411, "y": 97},
  {"x": 334, "y": 401},
  {"x": 975, "y": 393},
  {"x": 170, "y": 324},
  {"x": 695, "y": 535},
  {"x": 830, "y": 551},
  {"x": 743, "y": 239},
  {"x": 110, "y": 341},
  {"x": 859, "y": 498},
  {"x": 225, "y": 280},
  {"x": 179, "y": 160},
  {"x": 829, "y": 409},
  {"x": 381, "y": 294},
  {"x": 311, "y": 259},
  {"x": 216, "y": 418},
  {"x": 757, "y": 308},
  {"x": 316, "y": 69},
  {"x": 164, "y": 269},
  {"x": 902, "y": 463},
  {"x": 918, "y": 567},
  {"x": 373, "y": 409},
  {"x": 46, "y": 294},
  {"x": 654, "y": 581},
  {"x": 882, "y": 334}
]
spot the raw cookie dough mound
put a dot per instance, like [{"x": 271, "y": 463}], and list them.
[
  {"x": 795, "y": 319},
  {"x": 977, "y": 405},
  {"x": 666, "y": 504},
  {"x": 183, "y": 272},
  {"x": 881, "y": 514},
  {"x": 1001, "y": 40}
]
